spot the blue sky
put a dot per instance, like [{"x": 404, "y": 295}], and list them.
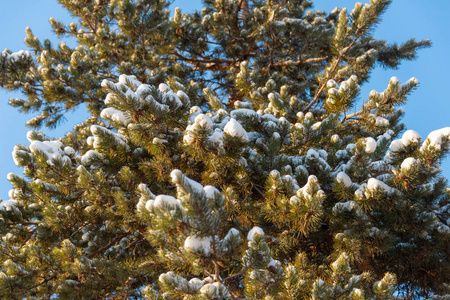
[{"x": 427, "y": 109}]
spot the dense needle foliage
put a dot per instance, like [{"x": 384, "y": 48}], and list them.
[{"x": 226, "y": 157}]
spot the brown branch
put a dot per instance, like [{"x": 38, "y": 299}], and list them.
[
  {"x": 351, "y": 116},
  {"x": 136, "y": 242},
  {"x": 238, "y": 9},
  {"x": 259, "y": 191},
  {"x": 112, "y": 243},
  {"x": 271, "y": 54},
  {"x": 44, "y": 281},
  {"x": 79, "y": 228},
  {"x": 30, "y": 223},
  {"x": 28, "y": 238},
  {"x": 216, "y": 271},
  {"x": 241, "y": 272},
  {"x": 207, "y": 64},
  {"x": 324, "y": 84},
  {"x": 244, "y": 9},
  {"x": 299, "y": 62}
]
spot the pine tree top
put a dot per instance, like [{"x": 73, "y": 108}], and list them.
[{"x": 221, "y": 160}]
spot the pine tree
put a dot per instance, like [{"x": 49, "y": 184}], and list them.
[{"x": 221, "y": 160}]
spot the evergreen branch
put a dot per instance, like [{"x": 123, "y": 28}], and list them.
[
  {"x": 207, "y": 64},
  {"x": 159, "y": 119},
  {"x": 106, "y": 247},
  {"x": 28, "y": 238},
  {"x": 44, "y": 281},
  {"x": 79, "y": 228},
  {"x": 300, "y": 62},
  {"x": 324, "y": 83},
  {"x": 351, "y": 116},
  {"x": 240, "y": 273}
]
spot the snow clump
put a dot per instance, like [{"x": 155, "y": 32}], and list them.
[
  {"x": 211, "y": 192},
  {"x": 115, "y": 115},
  {"x": 344, "y": 179},
  {"x": 198, "y": 244},
  {"x": 312, "y": 154},
  {"x": 215, "y": 290},
  {"x": 69, "y": 150},
  {"x": 408, "y": 138},
  {"x": 233, "y": 232},
  {"x": 356, "y": 293},
  {"x": 253, "y": 232},
  {"x": 89, "y": 156},
  {"x": 371, "y": 145},
  {"x": 201, "y": 122},
  {"x": 408, "y": 163},
  {"x": 235, "y": 129},
  {"x": 374, "y": 184},
  {"x": 411, "y": 137},
  {"x": 438, "y": 139},
  {"x": 380, "y": 121},
  {"x": 306, "y": 190},
  {"x": 8, "y": 205},
  {"x": 180, "y": 179},
  {"x": 164, "y": 88},
  {"x": 335, "y": 138},
  {"x": 196, "y": 283},
  {"x": 164, "y": 200},
  {"x": 13, "y": 57},
  {"x": 51, "y": 149},
  {"x": 341, "y": 207}
]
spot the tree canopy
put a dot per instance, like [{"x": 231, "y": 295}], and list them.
[{"x": 221, "y": 159}]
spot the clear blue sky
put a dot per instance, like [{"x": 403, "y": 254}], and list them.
[{"x": 427, "y": 109}]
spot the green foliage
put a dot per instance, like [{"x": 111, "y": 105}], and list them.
[{"x": 220, "y": 160}]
